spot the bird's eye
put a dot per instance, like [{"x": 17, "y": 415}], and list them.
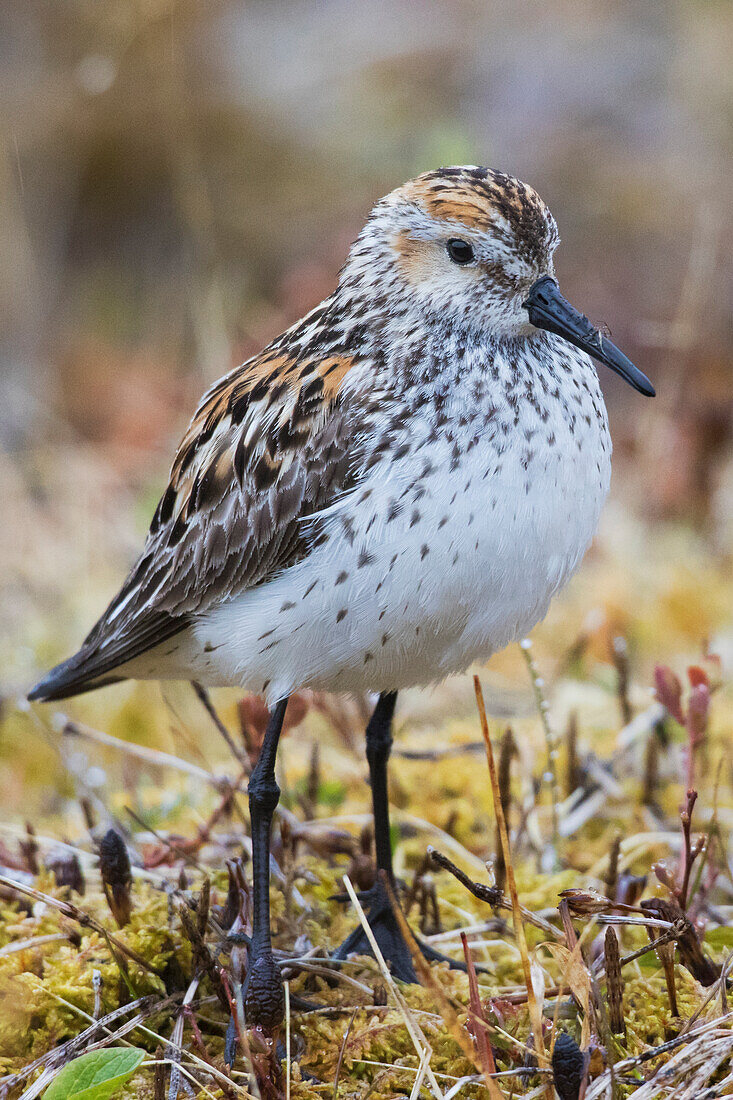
[{"x": 459, "y": 251}]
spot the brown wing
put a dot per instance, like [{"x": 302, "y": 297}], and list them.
[{"x": 268, "y": 446}]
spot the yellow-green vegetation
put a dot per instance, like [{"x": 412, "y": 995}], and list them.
[
  {"x": 181, "y": 183},
  {"x": 621, "y": 770}
]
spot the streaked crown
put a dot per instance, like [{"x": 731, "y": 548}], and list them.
[{"x": 462, "y": 244}]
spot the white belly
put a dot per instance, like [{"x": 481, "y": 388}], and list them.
[{"x": 421, "y": 576}]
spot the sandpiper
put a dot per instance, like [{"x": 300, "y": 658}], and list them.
[{"x": 394, "y": 488}]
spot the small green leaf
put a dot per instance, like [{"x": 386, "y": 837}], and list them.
[{"x": 96, "y": 1075}]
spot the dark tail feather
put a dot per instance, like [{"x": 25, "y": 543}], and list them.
[
  {"x": 95, "y": 664},
  {"x": 65, "y": 680}
]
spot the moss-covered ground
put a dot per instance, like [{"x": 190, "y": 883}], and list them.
[{"x": 621, "y": 769}]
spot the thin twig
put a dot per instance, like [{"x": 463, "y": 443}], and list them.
[
  {"x": 689, "y": 854},
  {"x": 491, "y": 894},
  {"x": 78, "y": 915},
  {"x": 155, "y": 757},
  {"x": 483, "y": 1046},
  {"x": 68, "y": 1050},
  {"x": 342, "y": 1051},
  {"x": 447, "y": 1011},
  {"x": 413, "y": 1028},
  {"x": 237, "y": 751},
  {"x": 534, "y": 1008},
  {"x": 543, "y": 708},
  {"x": 614, "y": 983},
  {"x": 33, "y": 943}
]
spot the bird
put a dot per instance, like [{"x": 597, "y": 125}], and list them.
[{"x": 393, "y": 489}]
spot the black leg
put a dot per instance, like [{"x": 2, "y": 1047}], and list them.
[
  {"x": 382, "y": 920},
  {"x": 264, "y": 997},
  {"x": 378, "y": 747}
]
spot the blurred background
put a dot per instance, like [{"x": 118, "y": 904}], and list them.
[{"x": 181, "y": 179}]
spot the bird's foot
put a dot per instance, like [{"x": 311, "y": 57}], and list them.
[
  {"x": 264, "y": 994},
  {"x": 264, "y": 1012},
  {"x": 387, "y": 934},
  {"x": 391, "y": 942}
]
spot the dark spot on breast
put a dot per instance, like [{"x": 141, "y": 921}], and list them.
[
  {"x": 343, "y": 576},
  {"x": 415, "y": 517},
  {"x": 365, "y": 558},
  {"x": 342, "y": 614},
  {"x": 424, "y": 551},
  {"x": 287, "y": 606},
  {"x": 385, "y": 639},
  {"x": 368, "y": 657}
]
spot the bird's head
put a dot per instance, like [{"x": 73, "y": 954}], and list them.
[{"x": 473, "y": 248}]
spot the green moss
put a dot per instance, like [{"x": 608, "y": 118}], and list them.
[{"x": 46, "y": 989}]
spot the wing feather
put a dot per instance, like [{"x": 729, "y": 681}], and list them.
[{"x": 270, "y": 444}]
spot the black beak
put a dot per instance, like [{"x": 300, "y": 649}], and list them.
[{"x": 549, "y": 310}]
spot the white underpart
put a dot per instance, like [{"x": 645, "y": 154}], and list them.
[{"x": 493, "y": 542}]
